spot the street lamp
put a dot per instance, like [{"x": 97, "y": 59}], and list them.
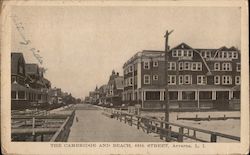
[{"x": 166, "y": 77}]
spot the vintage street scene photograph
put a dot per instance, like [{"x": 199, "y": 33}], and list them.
[{"x": 126, "y": 74}]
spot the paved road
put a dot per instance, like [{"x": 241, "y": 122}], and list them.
[{"x": 92, "y": 126}]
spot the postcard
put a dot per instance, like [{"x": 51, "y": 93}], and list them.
[{"x": 124, "y": 77}]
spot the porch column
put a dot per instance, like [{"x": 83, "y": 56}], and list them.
[
  {"x": 142, "y": 98},
  {"x": 213, "y": 95},
  {"x": 144, "y": 95},
  {"x": 179, "y": 95},
  {"x": 16, "y": 94},
  {"x": 230, "y": 94},
  {"x": 196, "y": 95},
  {"x": 161, "y": 95}
]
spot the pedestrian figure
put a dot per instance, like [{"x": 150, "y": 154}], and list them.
[{"x": 76, "y": 119}]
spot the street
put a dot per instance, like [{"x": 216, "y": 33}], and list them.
[{"x": 92, "y": 126}]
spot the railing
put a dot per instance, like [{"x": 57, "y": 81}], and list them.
[
  {"x": 167, "y": 130},
  {"x": 40, "y": 125},
  {"x": 63, "y": 133}
]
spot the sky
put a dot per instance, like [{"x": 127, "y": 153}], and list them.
[{"x": 81, "y": 46}]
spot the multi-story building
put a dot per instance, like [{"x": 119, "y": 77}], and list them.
[
  {"x": 103, "y": 91},
  {"x": 94, "y": 96},
  {"x": 197, "y": 78},
  {"x": 114, "y": 89},
  {"x": 28, "y": 86}
]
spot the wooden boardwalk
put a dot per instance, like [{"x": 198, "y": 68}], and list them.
[{"x": 92, "y": 126}]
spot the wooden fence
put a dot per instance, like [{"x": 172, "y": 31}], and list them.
[
  {"x": 40, "y": 125},
  {"x": 166, "y": 130}
]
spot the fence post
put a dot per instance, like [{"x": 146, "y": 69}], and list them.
[
  {"x": 33, "y": 128},
  {"x": 213, "y": 138},
  {"x": 147, "y": 125},
  {"x": 161, "y": 131},
  {"x": 138, "y": 123},
  {"x": 131, "y": 118},
  {"x": 194, "y": 134},
  {"x": 168, "y": 136},
  {"x": 180, "y": 135},
  {"x": 41, "y": 137}
]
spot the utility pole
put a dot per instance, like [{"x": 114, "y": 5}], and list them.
[{"x": 166, "y": 77}]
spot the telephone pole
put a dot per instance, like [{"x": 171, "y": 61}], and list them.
[{"x": 166, "y": 77}]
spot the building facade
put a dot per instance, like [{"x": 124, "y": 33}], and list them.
[
  {"x": 114, "y": 89},
  {"x": 28, "y": 86},
  {"x": 197, "y": 78}
]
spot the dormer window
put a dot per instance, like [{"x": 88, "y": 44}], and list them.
[{"x": 235, "y": 55}]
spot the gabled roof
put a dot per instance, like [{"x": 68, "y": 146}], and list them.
[
  {"x": 232, "y": 49},
  {"x": 15, "y": 57},
  {"x": 182, "y": 46},
  {"x": 32, "y": 69},
  {"x": 185, "y": 46},
  {"x": 119, "y": 82}
]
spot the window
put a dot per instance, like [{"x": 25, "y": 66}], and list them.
[
  {"x": 146, "y": 79},
  {"x": 155, "y": 77},
  {"x": 21, "y": 94},
  {"x": 130, "y": 68},
  {"x": 226, "y": 67},
  {"x": 190, "y": 53},
  {"x": 208, "y": 54},
  {"x": 226, "y": 79},
  {"x": 187, "y": 79},
  {"x": 187, "y": 66},
  {"x": 235, "y": 55},
  {"x": 174, "y": 53},
  {"x": 229, "y": 54},
  {"x": 216, "y": 79},
  {"x": 180, "y": 65},
  {"x": 171, "y": 66},
  {"x": 185, "y": 53},
  {"x": 196, "y": 66},
  {"x": 13, "y": 94},
  {"x": 146, "y": 65},
  {"x": 224, "y": 54},
  {"x": 217, "y": 66},
  {"x": 199, "y": 66},
  {"x": 172, "y": 79},
  {"x": 220, "y": 54},
  {"x": 155, "y": 63},
  {"x": 131, "y": 81},
  {"x": 201, "y": 79},
  {"x": 179, "y": 52},
  {"x": 180, "y": 79},
  {"x": 238, "y": 67},
  {"x": 237, "y": 80}
]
